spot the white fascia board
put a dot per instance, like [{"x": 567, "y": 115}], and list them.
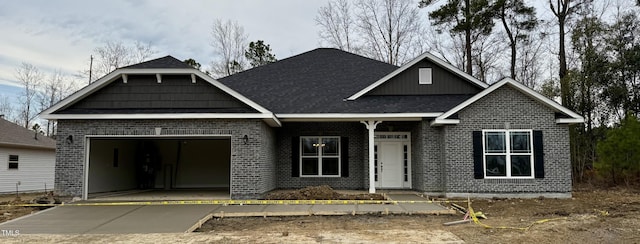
[
  {"x": 570, "y": 120},
  {"x": 438, "y": 122},
  {"x": 105, "y": 80},
  {"x": 355, "y": 116},
  {"x": 273, "y": 121},
  {"x": 518, "y": 86},
  {"x": 431, "y": 58},
  {"x": 161, "y": 116},
  {"x": 270, "y": 119}
]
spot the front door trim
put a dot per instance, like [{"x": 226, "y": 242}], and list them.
[{"x": 405, "y": 139}]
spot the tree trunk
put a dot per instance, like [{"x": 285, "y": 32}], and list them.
[
  {"x": 564, "y": 81},
  {"x": 467, "y": 36}
]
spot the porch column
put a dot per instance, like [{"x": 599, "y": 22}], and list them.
[{"x": 371, "y": 126}]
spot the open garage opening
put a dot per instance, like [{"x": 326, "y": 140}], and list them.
[{"x": 158, "y": 168}]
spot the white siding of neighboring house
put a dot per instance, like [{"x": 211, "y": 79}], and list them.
[{"x": 35, "y": 169}]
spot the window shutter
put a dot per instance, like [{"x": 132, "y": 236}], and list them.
[
  {"x": 344, "y": 156},
  {"x": 295, "y": 156},
  {"x": 538, "y": 154},
  {"x": 478, "y": 168}
]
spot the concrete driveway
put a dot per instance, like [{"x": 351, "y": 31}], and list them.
[{"x": 111, "y": 219}]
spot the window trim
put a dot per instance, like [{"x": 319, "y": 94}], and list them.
[
  {"x": 320, "y": 156},
  {"x": 17, "y": 162},
  {"x": 508, "y": 154}
]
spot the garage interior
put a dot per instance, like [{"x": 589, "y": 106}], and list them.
[{"x": 159, "y": 168}]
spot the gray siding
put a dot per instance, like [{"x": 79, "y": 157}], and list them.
[
  {"x": 144, "y": 93},
  {"x": 357, "y": 154},
  {"x": 506, "y": 105},
  {"x": 252, "y": 164},
  {"x": 444, "y": 82}
]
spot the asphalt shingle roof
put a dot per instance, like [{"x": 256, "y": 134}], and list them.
[
  {"x": 14, "y": 135},
  {"x": 166, "y": 62},
  {"x": 319, "y": 81}
]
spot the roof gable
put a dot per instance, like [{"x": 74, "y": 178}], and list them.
[
  {"x": 443, "y": 82},
  {"x": 571, "y": 117},
  {"x": 13, "y": 135},
  {"x": 425, "y": 59},
  {"x": 123, "y": 74},
  {"x": 143, "y": 94}
]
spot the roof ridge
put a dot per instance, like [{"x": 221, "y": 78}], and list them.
[{"x": 167, "y": 61}]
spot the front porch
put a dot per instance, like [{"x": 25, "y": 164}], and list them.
[{"x": 395, "y": 161}]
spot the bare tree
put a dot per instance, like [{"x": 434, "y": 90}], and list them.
[
  {"x": 389, "y": 29},
  {"x": 116, "y": 54},
  {"x": 486, "y": 55},
  {"x": 446, "y": 45},
  {"x": 141, "y": 52},
  {"x": 6, "y": 110},
  {"x": 529, "y": 61},
  {"x": 52, "y": 90},
  {"x": 229, "y": 42},
  {"x": 337, "y": 25},
  {"x": 30, "y": 78}
]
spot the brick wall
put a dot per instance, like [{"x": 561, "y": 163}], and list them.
[
  {"x": 506, "y": 105},
  {"x": 252, "y": 164},
  {"x": 357, "y": 156},
  {"x": 431, "y": 140}
]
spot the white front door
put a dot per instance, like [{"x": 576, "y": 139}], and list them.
[{"x": 392, "y": 161}]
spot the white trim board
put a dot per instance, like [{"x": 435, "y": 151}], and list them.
[
  {"x": 575, "y": 118},
  {"x": 404, "y": 67},
  {"x": 356, "y": 116}
]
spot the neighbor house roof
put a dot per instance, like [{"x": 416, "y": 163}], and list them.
[{"x": 13, "y": 135}]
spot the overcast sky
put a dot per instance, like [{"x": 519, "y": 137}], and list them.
[{"x": 62, "y": 34}]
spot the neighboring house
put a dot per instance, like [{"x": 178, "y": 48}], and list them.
[
  {"x": 27, "y": 159},
  {"x": 321, "y": 117}
]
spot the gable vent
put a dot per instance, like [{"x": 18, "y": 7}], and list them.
[{"x": 425, "y": 76}]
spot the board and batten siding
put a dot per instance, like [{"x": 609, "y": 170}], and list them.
[
  {"x": 176, "y": 93},
  {"x": 35, "y": 169},
  {"x": 443, "y": 82}
]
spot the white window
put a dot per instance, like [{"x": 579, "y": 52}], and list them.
[
  {"x": 424, "y": 76},
  {"x": 320, "y": 156},
  {"x": 13, "y": 161},
  {"x": 508, "y": 153}
]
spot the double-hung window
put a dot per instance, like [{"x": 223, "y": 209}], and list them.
[
  {"x": 320, "y": 156},
  {"x": 13, "y": 161},
  {"x": 508, "y": 153}
]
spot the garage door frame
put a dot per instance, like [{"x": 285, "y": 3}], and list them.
[{"x": 87, "y": 143}]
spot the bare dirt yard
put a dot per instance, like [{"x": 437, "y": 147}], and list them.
[{"x": 592, "y": 216}]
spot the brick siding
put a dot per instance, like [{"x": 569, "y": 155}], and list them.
[
  {"x": 506, "y": 105},
  {"x": 252, "y": 164}
]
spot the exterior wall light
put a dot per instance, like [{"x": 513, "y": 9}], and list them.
[
  {"x": 245, "y": 139},
  {"x": 69, "y": 139}
]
